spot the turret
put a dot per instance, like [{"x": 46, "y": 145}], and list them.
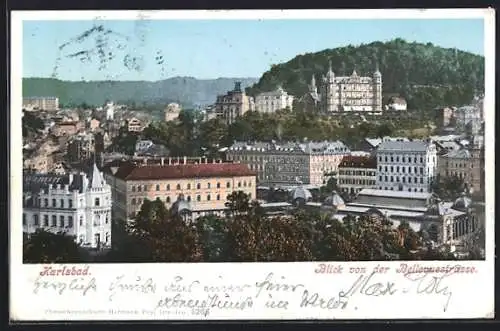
[{"x": 330, "y": 75}]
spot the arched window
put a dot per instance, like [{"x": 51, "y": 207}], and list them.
[
  {"x": 168, "y": 187},
  {"x": 189, "y": 186},
  {"x": 198, "y": 198},
  {"x": 208, "y": 197},
  {"x": 189, "y": 198},
  {"x": 228, "y": 185},
  {"x": 157, "y": 187},
  {"x": 218, "y": 197},
  {"x": 198, "y": 186},
  {"x": 178, "y": 186},
  {"x": 239, "y": 184}
]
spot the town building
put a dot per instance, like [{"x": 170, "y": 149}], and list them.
[
  {"x": 41, "y": 103},
  {"x": 135, "y": 125},
  {"x": 67, "y": 128},
  {"x": 233, "y": 104},
  {"x": 81, "y": 148},
  {"x": 77, "y": 204},
  {"x": 172, "y": 112},
  {"x": 94, "y": 124},
  {"x": 345, "y": 93},
  {"x": 466, "y": 164},
  {"x": 109, "y": 109},
  {"x": 290, "y": 163},
  {"x": 444, "y": 117},
  {"x": 203, "y": 188},
  {"x": 270, "y": 102},
  {"x": 38, "y": 162},
  {"x": 396, "y": 103},
  {"x": 406, "y": 165},
  {"x": 356, "y": 173}
]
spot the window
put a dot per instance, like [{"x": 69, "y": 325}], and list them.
[
  {"x": 409, "y": 179},
  {"x": 139, "y": 188},
  {"x": 422, "y": 190},
  {"x": 54, "y": 220},
  {"x": 198, "y": 186},
  {"x": 397, "y": 158},
  {"x": 392, "y": 159},
  {"x": 403, "y": 169},
  {"x": 208, "y": 197},
  {"x": 70, "y": 203},
  {"x": 189, "y": 198},
  {"x": 386, "y": 159},
  {"x": 46, "y": 202},
  {"x": 35, "y": 220},
  {"x": 133, "y": 201},
  {"x": 218, "y": 197},
  {"x": 239, "y": 184},
  {"x": 421, "y": 180},
  {"x": 24, "y": 219},
  {"x": 397, "y": 169},
  {"x": 380, "y": 178},
  {"x": 178, "y": 186},
  {"x": 107, "y": 218},
  {"x": 133, "y": 188},
  {"x": 392, "y": 179},
  {"x": 168, "y": 200},
  {"x": 157, "y": 187},
  {"x": 188, "y": 186},
  {"x": 404, "y": 159},
  {"x": 421, "y": 160},
  {"x": 421, "y": 170},
  {"x": 379, "y": 168},
  {"x": 403, "y": 179},
  {"x": 97, "y": 202},
  {"x": 198, "y": 198},
  {"x": 228, "y": 185},
  {"x": 54, "y": 203},
  {"x": 62, "y": 203},
  {"x": 61, "y": 221},
  {"x": 168, "y": 187},
  {"x": 81, "y": 220},
  {"x": 392, "y": 169},
  {"x": 70, "y": 221},
  {"x": 245, "y": 184},
  {"x": 386, "y": 178},
  {"x": 208, "y": 185},
  {"x": 45, "y": 220},
  {"x": 385, "y": 168},
  {"x": 218, "y": 185},
  {"x": 145, "y": 188},
  {"x": 397, "y": 179}
]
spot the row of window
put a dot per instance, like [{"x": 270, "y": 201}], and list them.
[
  {"x": 403, "y": 159},
  {"x": 403, "y": 179},
  {"x": 97, "y": 203},
  {"x": 356, "y": 173},
  {"x": 140, "y": 188},
  {"x": 63, "y": 221},
  {"x": 356, "y": 181},
  {"x": 403, "y": 169},
  {"x": 400, "y": 189},
  {"x": 188, "y": 198}
]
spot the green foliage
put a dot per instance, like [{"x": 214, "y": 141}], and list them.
[
  {"x": 426, "y": 75},
  {"x": 185, "y": 90},
  {"x": 46, "y": 247},
  {"x": 31, "y": 124},
  {"x": 448, "y": 187}
]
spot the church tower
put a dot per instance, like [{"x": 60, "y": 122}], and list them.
[
  {"x": 377, "y": 90},
  {"x": 330, "y": 90},
  {"x": 312, "y": 87}
]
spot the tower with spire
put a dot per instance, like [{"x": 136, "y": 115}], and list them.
[
  {"x": 330, "y": 99},
  {"x": 377, "y": 89}
]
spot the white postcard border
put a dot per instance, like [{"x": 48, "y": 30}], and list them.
[{"x": 473, "y": 295}]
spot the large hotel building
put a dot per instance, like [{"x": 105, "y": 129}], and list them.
[
  {"x": 202, "y": 187},
  {"x": 41, "y": 103},
  {"x": 290, "y": 163}
]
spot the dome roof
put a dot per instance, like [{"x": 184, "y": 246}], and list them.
[
  {"x": 462, "y": 203},
  {"x": 301, "y": 193},
  {"x": 334, "y": 200},
  {"x": 181, "y": 206}
]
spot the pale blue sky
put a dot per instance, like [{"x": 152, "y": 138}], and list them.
[{"x": 224, "y": 48}]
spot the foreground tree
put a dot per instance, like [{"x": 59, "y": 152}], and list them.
[
  {"x": 47, "y": 247},
  {"x": 212, "y": 232},
  {"x": 165, "y": 236}
]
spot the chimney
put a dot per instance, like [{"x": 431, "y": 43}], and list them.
[
  {"x": 162, "y": 162},
  {"x": 58, "y": 186},
  {"x": 185, "y": 159},
  {"x": 70, "y": 178},
  {"x": 169, "y": 161}
]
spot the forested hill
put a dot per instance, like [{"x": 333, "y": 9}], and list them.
[
  {"x": 425, "y": 74},
  {"x": 186, "y": 90}
]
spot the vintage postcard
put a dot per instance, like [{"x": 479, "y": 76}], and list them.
[{"x": 270, "y": 165}]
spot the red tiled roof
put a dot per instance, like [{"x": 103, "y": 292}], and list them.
[
  {"x": 351, "y": 161},
  {"x": 150, "y": 172}
]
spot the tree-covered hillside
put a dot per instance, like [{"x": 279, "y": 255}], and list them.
[
  {"x": 425, "y": 74},
  {"x": 185, "y": 90}
]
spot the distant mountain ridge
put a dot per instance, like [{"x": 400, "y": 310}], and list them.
[{"x": 187, "y": 91}]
